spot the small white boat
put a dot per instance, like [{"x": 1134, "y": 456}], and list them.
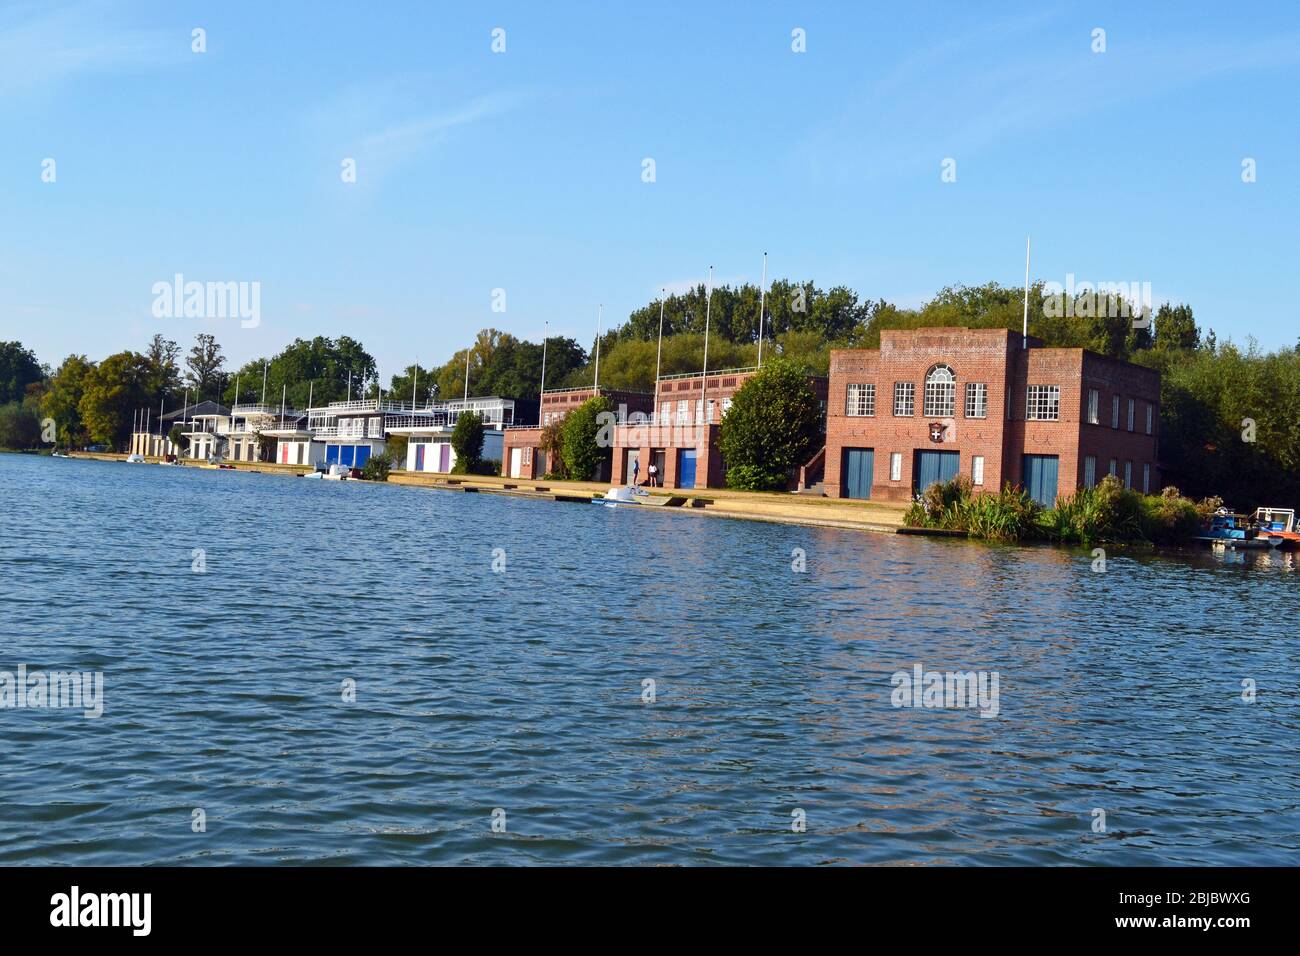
[
  {"x": 135, "y": 459},
  {"x": 314, "y": 474},
  {"x": 338, "y": 473},
  {"x": 621, "y": 496}
]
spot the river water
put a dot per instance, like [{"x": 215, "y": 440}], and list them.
[{"x": 614, "y": 686}]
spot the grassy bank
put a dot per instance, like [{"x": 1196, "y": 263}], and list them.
[{"x": 1108, "y": 512}]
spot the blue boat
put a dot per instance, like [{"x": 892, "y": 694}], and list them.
[{"x": 1229, "y": 530}]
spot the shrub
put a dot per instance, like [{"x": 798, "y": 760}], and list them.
[
  {"x": 773, "y": 426},
  {"x": 581, "y": 447},
  {"x": 377, "y": 466},
  {"x": 467, "y": 442},
  {"x": 19, "y": 426},
  {"x": 1008, "y": 515}
]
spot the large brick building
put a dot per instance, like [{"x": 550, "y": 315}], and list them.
[
  {"x": 522, "y": 455},
  {"x": 933, "y": 403},
  {"x": 681, "y": 437}
]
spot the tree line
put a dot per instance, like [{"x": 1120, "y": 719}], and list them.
[{"x": 1230, "y": 414}]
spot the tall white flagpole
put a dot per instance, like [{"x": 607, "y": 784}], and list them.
[
  {"x": 600, "y": 314},
  {"x": 468, "y": 351},
  {"x": 1024, "y": 342},
  {"x": 415, "y": 379},
  {"x": 704, "y": 382},
  {"x": 762, "y": 300},
  {"x": 663, "y": 295},
  {"x": 264, "y": 383},
  {"x": 542, "y": 391}
]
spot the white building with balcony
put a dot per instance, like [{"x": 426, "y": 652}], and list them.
[{"x": 428, "y": 446}]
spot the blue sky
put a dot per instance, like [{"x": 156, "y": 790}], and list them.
[{"x": 523, "y": 170}]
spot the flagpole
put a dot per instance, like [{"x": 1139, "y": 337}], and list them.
[
  {"x": 415, "y": 380},
  {"x": 467, "y": 357},
  {"x": 264, "y": 364},
  {"x": 600, "y": 312},
  {"x": 762, "y": 299},
  {"x": 1024, "y": 342},
  {"x": 663, "y": 295},
  {"x": 542, "y": 391},
  {"x": 704, "y": 382}
]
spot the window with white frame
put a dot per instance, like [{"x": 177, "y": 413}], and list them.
[
  {"x": 940, "y": 392},
  {"x": 1128, "y": 474},
  {"x": 1089, "y": 471},
  {"x": 977, "y": 470},
  {"x": 1114, "y": 411},
  {"x": 1150, "y": 416},
  {"x": 699, "y": 410},
  {"x": 1146, "y": 479},
  {"x": 1043, "y": 403},
  {"x": 668, "y": 412},
  {"x": 1131, "y": 404},
  {"x": 861, "y": 401},
  {"x": 904, "y": 399},
  {"x": 1094, "y": 407},
  {"x": 896, "y": 466},
  {"x": 1114, "y": 467},
  {"x": 726, "y": 405},
  {"x": 683, "y": 411},
  {"x": 977, "y": 400}
]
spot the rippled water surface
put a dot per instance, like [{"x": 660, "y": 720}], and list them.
[{"x": 523, "y": 690}]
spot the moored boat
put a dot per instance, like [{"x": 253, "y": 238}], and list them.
[
  {"x": 1229, "y": 530},
  {"x": 1278, "y": 524},
  {"x": 621, "y": 496}
]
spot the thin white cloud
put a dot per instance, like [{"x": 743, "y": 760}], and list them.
[{"x": 42, "y": 45}]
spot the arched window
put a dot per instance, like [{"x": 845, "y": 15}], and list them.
[{"x": 940, "y": 392}]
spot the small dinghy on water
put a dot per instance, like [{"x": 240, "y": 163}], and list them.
[
  {"x": 135, "y": 459},
  {"x": 338, "y": 473},
  {"x": 621, "y": 496}
]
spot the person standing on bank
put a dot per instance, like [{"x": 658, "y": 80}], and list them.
[
  {"x": 652, "y": 475},
  {"x": 636, "y": 470}
]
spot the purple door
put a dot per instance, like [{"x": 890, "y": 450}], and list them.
[
  {"x": 419, "y": 457},
  {"x": 444, "y": 458}
]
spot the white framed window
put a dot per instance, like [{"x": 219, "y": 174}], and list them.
[
  {"x": 896, "y": 466},
  {"x": 1094, "y": 407},
  {"x": 1146, "y": 479},
  {"x": 683, "y": 412},
  {"x": 1128, "y": 474},
  {"x": 1043, "y": 403},
  {"x": 726, "y": 405},
  {"x": 668, "y": 412},
  {"x": 977, "y": 400},
  {"x": 940, "y": 392},
  {"x": 699, "y": 410},
  {"x": 1131, "y": 405},
  {"x": 861, "y": 401},
  {"x": 904, "y": 399},
  {"x": 977, "y": 470},
  {"x": 1150, "y": 416},
  {"x": 1114, "y": 467},
  {"x": 1114, "y": 412},
  {"x": 1089, "y": 471}
]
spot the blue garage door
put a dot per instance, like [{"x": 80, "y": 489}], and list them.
[
  {"x": 932, "y": 466},
  {"x": 686, "y": 468},
  {"x": 331, "y": 454},
  {"x": 363, "y": 455},
  {"x": 1040, "y": 478},
  {"x": 859, "y": 466}
]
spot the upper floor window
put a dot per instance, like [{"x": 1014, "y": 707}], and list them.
[
  {"x": 861, "y": 400},
  {"x": 977, "y": 400},
  {"x": 1131, "y": 404},
  {"x": 1043, "y": 403},
  {"x": 1150, "y": 416},
  {"x": 904, "y": 399},
  {"x": 1094, "y": 407},
  {"x": 940, "y": 392},
  {"x": 1114, "y": 411}
]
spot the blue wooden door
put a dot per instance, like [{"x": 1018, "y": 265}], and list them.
[
  {"x": 363, "y": 455},
  {"x": 932, "y": 466},
  {"x": 859, "y": 466},
  {"x": 419, "y": 457},
  {"x": 1040, "y": 478},
  {"x": 686, "y": 468},
  {"x": 331, "y": 454}
]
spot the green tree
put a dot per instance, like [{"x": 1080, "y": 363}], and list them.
[
  {"x": 377, "y": 466},
  {"x": 581, "y": 447},
  {"x": 177, "y": 437},
  {"x": 19, "y": 426},
  {"x": 205, "y": 363},
  {"x": 18, "y": 370},
  {"x": 1176, "y": 328},
  {"x": 773, "y": 426},
  {"x": 467, "y": 442},
  {"x": 62, "y": 400},
  {"x": 112, "y": 392}
]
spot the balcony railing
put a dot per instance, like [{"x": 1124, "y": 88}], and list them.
[
  {"x": 712, "y": 373},
  {"x": 334, "y": 432}
]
